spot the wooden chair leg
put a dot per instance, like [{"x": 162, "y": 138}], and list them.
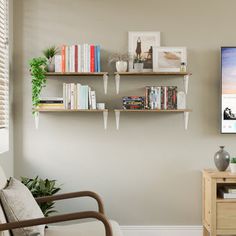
[{"x": 205, "y": 232}]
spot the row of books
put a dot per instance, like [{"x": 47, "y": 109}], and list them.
[
  {"x": 77, "y": 96},
  {"x": 161, "y": 97},
  {"x": 227, "y": 192},
  {"x": 78, "y": 58},
  {"x": 133, "y": 102}
]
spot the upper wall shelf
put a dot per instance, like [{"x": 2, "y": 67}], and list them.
[
  {"x": 185, "y": 75},
  {"x": 103, "y": 74}
]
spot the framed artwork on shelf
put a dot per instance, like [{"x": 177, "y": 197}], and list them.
[
  {"x": 141, "y": 48},
  {"x": 169, "y": 59}
]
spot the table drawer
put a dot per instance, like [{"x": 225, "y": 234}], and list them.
[{"x": 226, "y": 215}]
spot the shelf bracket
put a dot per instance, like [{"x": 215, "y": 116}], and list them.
[
  {"x": 186, "y": 118},
  {"x": 36, "y": 119},
  {"x": 186, "y": 79},
  {"x": 105, "y": 82},
  {"x": 117, "y": 114},
  {"x": 117, "y": 78},
  {"x": 105, "y": 116}
]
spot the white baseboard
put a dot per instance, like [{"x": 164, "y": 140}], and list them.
[{"x": 167, "y": 230}]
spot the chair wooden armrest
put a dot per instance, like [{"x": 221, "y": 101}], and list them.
[
  {"x": 59, "y": 218},
  {"x": 73, "y": 195}
]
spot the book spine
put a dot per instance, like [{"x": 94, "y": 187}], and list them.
[
  {"x": 88, "y": 58},
  {"x": 78, "y": 95},
  {"x": 147, "y": 97},
  {"x": 76, "y": 57},
  {"x": 67, "y": 59},
  {"x": 92, "y": 66},
  {"x": 72, "y": 96},
  {"x": 95, "y": 59},
  {"x": 93, "y": 100},
  {"x": 84, "y": 58},
  {"x": 58, "y": 63},
  {"x": 63, "y": 58},
  {"x": 64, "y": 95},
  {"x": 98, "y": 58},
  {"x": 86, "y": 93},
  {"x": 79, "y": 58},
  {"x": 89, "y": 98}
]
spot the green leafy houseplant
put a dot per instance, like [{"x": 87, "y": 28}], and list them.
[
  {"x": 233, "y": 160},
  {"x": 38, "y": 72},
  {"x": 50, "y": 52},
  {"x": 40, "y": 188}
]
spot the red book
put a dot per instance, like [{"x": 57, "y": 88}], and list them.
[
  {"x": 63, "y": 59},
  {"x": 92, "y": 62},
  {"x": 76, "y": 58}
]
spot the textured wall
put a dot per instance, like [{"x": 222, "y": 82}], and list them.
[{"x": 148, "y": 172}]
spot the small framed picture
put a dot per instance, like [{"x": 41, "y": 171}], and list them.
[
  {"x": 141, "y": 48},
  {"x": 169, "y": 59}
]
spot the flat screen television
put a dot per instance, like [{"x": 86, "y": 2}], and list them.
[{"x": 228, "y": 90}]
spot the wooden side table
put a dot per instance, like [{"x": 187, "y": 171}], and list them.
[{"x": 218, "y": 215}]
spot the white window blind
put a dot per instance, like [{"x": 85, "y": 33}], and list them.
[{"x": 4, "y": 65}]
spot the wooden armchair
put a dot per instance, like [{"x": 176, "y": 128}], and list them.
[{"x": 111, "y": 227}]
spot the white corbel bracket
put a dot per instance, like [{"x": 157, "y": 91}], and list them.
[
  {"x": 105, "y": 116},
  {"x": 186, "y": 118},
  {"x": 105, "y": 82},
  {"x": 36, "y": 119},
  {"x": 186, "y": 80},
  {"x": 117, "y": 79},
  {"x": 117, "y": 114}
]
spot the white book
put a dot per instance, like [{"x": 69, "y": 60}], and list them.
[
  {"x": 93, "y": 100},
  {"x": 78, "y": 95},
  {"x": 58, "y": 63},
  {"x": 72, "y": 96},
  {"x": 68, "y": 95},
  {"x": 89, "y": 98},
  {"x": 165, "y": 97},
  {"x": 51, "y": 98},
  {"x": 83, "y": 57},
  {"x": 64, "y": 95},
  {"x": 88, "y": 58},
  {"x": 79, "y": 59},
  {"x": 73, "y": 58},
  {"x": 159, "y": 98}
]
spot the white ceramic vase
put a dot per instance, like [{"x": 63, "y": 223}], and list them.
[
  {"x": 121, "y": 66},
  {"x": 138, "y": 67},
  {"x": 232, "y": 167}
]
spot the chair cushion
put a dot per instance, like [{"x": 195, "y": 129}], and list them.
[
  {"x": 93, "y": 228},
  {"x": 19, "y": 204}
]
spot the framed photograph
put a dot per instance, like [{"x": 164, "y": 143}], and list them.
[
  {"x": 141, "y": 46},
  {"x": 228, "y": 90},
  {"x": 169, "y": 59}
]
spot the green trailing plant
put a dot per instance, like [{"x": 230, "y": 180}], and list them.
[
  {"x": 233, "y": 160},
  {"x": 38, "y": 72},
  {"x": 40, "y": 188},
  {"x": 50, "y": 52}
]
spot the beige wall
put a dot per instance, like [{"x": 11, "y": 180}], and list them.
[{"x": 149, "y": 171}]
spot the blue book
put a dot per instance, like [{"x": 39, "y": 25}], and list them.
[
  {"x": 98, "y": 57},
  {"x": 95, "y": 59},
  {"x": 83, "y": 96}
]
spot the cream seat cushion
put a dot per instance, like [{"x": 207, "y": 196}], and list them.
[{"x": 94, "y": 228}]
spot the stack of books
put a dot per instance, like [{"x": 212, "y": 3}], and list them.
[
  {"x": 51, "y": 103},
  {"x": 227, "y": 192},
  {"x": 161, "y": 98},
  {"x": 78, "y": 58},
  {"x": 77, "y": 96},
  {"x": 133, "y": 102}
]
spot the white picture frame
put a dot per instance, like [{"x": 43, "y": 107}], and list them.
[
  {"x": 169, "y": 59},
  {"x": 148, "y": 40}
]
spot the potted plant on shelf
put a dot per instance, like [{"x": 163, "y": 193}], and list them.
[
  {"x": 38, "y": 73},
  {"x": 138, "y": 64},
  {"x": 121, "y": 61},
  {"x": 50, "y": 53},
  {"x": 41, "y": 188},
  {"x": 233, "y": 165}
]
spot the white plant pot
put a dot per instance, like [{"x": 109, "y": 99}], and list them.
[
  {"x": 121, "y": 66},
  {"x": 138, "y": 67},
  {"x": 233, "y": 167}
]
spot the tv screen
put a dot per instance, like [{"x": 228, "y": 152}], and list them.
[{"x": 228, "y": 90}]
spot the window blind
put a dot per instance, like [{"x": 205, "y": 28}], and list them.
[{"x": 4, "y": 65}]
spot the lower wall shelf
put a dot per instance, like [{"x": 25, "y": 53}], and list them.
[
  {"x": 184, "y": 111},
  {"x": 117, "y": 114}
]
